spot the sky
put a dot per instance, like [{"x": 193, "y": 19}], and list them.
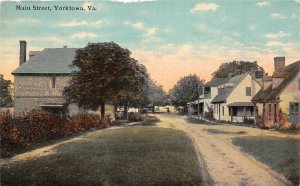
[{"x": 172, "y": 38}]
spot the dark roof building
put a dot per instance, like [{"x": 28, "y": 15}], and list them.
[
  {"x": 48, "y": 61},
  {"x": 271, "y": 93}
]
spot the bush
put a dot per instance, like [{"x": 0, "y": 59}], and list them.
[
  {"x": 36, "y": 125},
  {"x": 84, "y": 122},
  {"x": 209, "y": 115},
  {"x": 133, "y": 117}
]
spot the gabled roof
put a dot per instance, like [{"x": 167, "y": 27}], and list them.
[
  {"x": 48, "y": 61},
  {"x": 288, "y": 73},
  {"x": 216, "y": 82},
  {"x": 223, "y": 93}
]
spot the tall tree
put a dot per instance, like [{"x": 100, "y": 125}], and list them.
[
  {"x": 236, "y": 68},
  {"x": 106, "y": 73},
  {"x": 5, "y": 92},
  {"x": 187, "y": 89},
  {"x": 157, "y": 96}
]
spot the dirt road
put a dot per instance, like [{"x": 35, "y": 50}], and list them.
[{"x": 224, "y": 162}]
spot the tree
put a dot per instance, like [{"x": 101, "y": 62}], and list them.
[
  {"x": 236, "y": 68},
  {"x": 187, "y": 89},
  {"x": 157, "y": 96},
  {"x": 106, "y": 74},
  {"x": 5, "y": 92}
]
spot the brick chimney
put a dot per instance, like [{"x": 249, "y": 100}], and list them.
[
  {"x": 22, "y": 58},
  {"x": 279, "y": 62}
]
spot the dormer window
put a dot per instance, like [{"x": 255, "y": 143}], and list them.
[{"x": 53, "y": 82}]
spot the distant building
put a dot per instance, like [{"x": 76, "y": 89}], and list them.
[
  {"x": 39, "y": 82},
  {"x": 278, "y": 102},
  {"x": 233, "y": 102}
]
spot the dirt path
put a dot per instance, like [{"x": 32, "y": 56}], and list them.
[{"x": 225, "y": 163}]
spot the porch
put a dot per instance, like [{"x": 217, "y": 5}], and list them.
[
  {"x": 241, "y": 112},
  {"x": 193, "y": 107}
]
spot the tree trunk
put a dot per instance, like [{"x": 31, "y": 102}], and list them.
[
  {"x": 126, "y": 111},
  {"x": 153, "y": 107},
  {"x": 102, "y": 111},
  {"x": 115, "y": 111}
]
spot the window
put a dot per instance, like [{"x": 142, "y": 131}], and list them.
[
  {"x": 53, "y": 82},
  {"x": 248, "y": 91},
  {"x": 298, "y": 84},
  {"x": 294, "y": 112}
]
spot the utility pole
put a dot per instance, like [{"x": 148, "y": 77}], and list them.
[
  {"x": 198, "y": 101},
  {"x": 1, "y": 79}
]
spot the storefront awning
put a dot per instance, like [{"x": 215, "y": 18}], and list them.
[{"x": 241, "y": 104}]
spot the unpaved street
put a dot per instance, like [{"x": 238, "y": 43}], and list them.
[{"x": 224, "y": 162}]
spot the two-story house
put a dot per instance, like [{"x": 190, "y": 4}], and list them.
[
  {"x": 278, "y": 102},
  {"x": 210, "y": 90},
  {"x": 39, "y": 81},
  {"x": 233, "y": 102}
]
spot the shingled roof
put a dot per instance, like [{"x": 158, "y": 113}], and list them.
[
  {"x": 216, "y": 82},
  {"x": 49, "y": 61},
  {"x": 225, "y": 92},
  {"x": 288, "y": 73}
]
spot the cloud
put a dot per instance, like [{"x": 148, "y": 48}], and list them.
[
  {"x": 278, "y": 16},
  {"x": 263, "y": 3},
  {"x": 151, "y": 31},
  {"x": 83, "y": 35},
  {"x": 132, "y": 1},
  {"x": 97, "y": 23},
  {"x": 277, "y": 35},
  {"x": 297, "y": 1},
  {"x": 72, "y": 23},
  {"x": 21, "y": 21},
  {"x": 204, "y": 7},
  {"x": 275, "y": 44},
  {"x": 295, "y": 16},
  {"x": 252, "y": 27},
  {"x": 138, "y": 25}
]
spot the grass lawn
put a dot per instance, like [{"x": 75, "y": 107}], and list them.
[
  {"x": 127, "y": 156},
  {"x": 281, "y": 154}
]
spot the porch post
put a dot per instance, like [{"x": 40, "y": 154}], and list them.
[
  {"x": 254, "y": 113},
  {"x": 231, "y": 114},
  {"x": 244, "y": 113}
]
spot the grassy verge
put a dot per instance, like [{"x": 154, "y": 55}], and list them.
[
  {"x": 281, "y": 154},
  {"x": 128, "y": 156}
]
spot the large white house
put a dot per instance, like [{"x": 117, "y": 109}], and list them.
[{"x": 233, "y": 102}]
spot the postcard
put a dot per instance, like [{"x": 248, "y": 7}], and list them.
[{"x": 150, "y": 92}]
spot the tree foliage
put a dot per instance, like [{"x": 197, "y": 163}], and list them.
[
  {"x": 5, "y": 92},
  {"x": 106, "y": 74},
  {"x": 236, "y": 68},
  {"x": 187, "y": 89},
  {"x": 157, "y": 96}
]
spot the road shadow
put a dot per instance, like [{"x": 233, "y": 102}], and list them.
[{"x": 215, "y": 131}]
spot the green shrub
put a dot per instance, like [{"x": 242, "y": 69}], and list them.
[{"x": 133, "y": 117}]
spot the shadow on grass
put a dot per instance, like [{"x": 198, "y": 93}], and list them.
[
  {"x": 281, "y": 154},
  {"x": 10, "y": 151},
  {"x": 215, "y": 131},
  {"x": 127, "y": 156}
]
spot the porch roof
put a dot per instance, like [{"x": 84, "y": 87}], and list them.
[{"x": 241, "y": 104}]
